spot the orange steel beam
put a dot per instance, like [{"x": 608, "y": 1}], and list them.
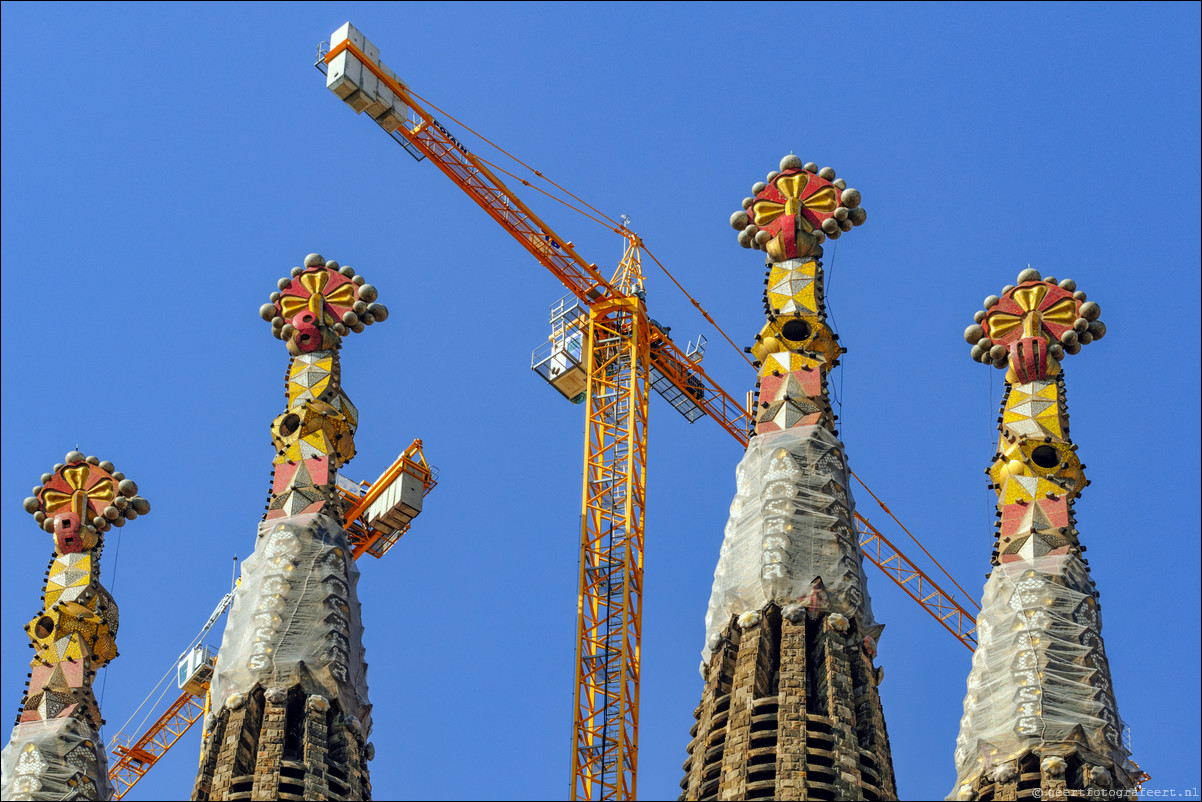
[
  {"x": 583, "y": 280},
  {"x": 605, "y": 759},
  {"x": 132, "y": 762},
  {"x": 916, "y": 584},
  {"x": 889, "y": 512},
  {"x": 553, "y": 252},
  {"x": 481, "y": 185}
]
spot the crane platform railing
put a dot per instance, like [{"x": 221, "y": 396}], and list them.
[{"x": 690, "y": 378}]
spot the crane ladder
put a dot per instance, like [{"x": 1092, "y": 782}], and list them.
[{"x": 609, "y": 626}]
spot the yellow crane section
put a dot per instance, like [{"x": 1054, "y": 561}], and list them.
[
  {"x": 133, "y": 761},
  {"x": 130, "y": 762},
  {"x": 607, "y": 353},
  {"x": 610, "y": 602}
]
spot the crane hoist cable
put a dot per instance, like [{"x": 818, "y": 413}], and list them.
[
  {"x": 204, "y": 630},
  {"x": 889, "y": 512},
  {"x": 829, "y": 276},
  {"x": 116, "y": 563},
  {"x": 161, "y": 683},
  {"x": 483, "y": 138},
  {"x": 608, "y": 634},
  {"x": 700, "y": 309},
  {"x": 518, "y": 178},
  {"x": 609, "y": 222},
  {"x": 618, "y": 230},
  {"x": 622, "y": 229}
]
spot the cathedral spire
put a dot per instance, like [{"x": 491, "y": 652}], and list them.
[
  {"x": 790, "y": 708},
  {"x": 290, "y": 713},
  {"x": 55, "y": 751},
  {"x": 1040, "y": 714}
]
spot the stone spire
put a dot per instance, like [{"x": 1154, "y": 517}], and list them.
[
  {"x": 1040, "y": 715},
  {"x": 290, "y": 714},
  {"x": 790, "y": 708},
  {"x": 55, "y": 751}
]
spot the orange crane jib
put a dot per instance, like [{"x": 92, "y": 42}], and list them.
[
  {"x": 625, "y": 354},
  {"x": 133, "y": 761}
]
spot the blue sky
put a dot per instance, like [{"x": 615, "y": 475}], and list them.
[{"x": 163, "y": 165}]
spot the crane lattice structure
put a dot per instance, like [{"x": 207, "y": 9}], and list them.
[{"x": 624, "y": 355}]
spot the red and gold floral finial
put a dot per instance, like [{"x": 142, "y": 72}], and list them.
[
  {"x": 1032, "y": 325},
  {"x": 796, "y": 209},
  {"x": 82, "y": 498},
  {"x": 320, "y": 304}
]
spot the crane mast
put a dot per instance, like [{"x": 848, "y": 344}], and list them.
[{"x": 609, "y": 625}]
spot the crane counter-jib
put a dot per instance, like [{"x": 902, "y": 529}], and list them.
[{"x": 419, "y": 127}]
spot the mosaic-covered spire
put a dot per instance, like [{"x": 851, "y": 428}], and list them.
[
  {"x": 1040, "y": 715},
  {"x": 290, "y": 714},
  {"x": 55, "y": 750},
  {"x": 313, "y": 310},
  {"x": 790, "y": 708},
  {"x": 789, "y": 217}
]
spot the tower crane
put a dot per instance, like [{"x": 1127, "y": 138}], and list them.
[
  {"x": 378, "y": 514},
  {"x": 608, "y": 354}
]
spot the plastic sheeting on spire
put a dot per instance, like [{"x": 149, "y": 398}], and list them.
[
  {"x": 1039, "y": 674},
  {"x": 791, "y": 522},
  {"x": 296, "y": 604},
  {"x": 60, "y": 758}
]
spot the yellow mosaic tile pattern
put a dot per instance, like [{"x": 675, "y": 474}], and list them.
[
  {"x": 70, "y": 575},
  {"x": 786, "y": 362},
  {"x": 309, "y": 376},
  {"x": 72, "y": 631},
  {"x": 792, "y": 290},
  {"x": 1033, "y": 410},
  {"x": 816, "y": 339},
  {"x": 313, "y": 429},
  {"x": 1053, "y": 462}
]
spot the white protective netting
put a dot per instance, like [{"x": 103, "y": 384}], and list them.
[
  {"x": 791, "y": 522},
  {"x": 1039, "y": 673},
  {"x": 61, "y": 758},
  {"x": 296, "y": 603}
]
